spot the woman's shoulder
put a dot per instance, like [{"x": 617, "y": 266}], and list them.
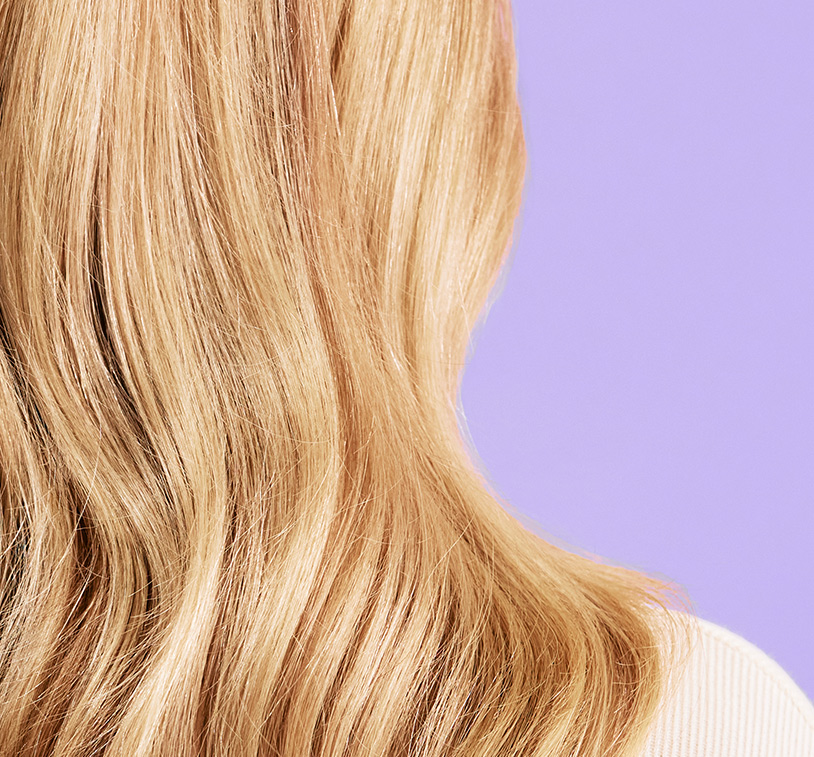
[{"x": 732, "y": 700}]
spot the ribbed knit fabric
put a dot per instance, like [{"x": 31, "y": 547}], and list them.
[{"x": 733, "y": 701}]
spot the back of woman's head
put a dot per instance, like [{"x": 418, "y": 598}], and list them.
[{"x": 242, "y": 249}]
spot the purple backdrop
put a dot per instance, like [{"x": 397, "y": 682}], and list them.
[{"x": 643, "y": 386}]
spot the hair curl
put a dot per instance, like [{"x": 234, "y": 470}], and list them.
[{"x": 243, "y": 246}]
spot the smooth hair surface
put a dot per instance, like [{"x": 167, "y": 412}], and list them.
[{"x": 243, "y": 245}]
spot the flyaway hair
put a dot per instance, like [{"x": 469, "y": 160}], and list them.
[{"x": 243, "y": 246}]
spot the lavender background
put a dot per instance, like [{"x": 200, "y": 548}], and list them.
[{"x": 643, "y": 385}]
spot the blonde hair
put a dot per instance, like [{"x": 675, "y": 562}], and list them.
[{"x": 242, "y": 249}]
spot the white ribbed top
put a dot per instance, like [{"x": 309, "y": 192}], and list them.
[{"x": 733, "y": 701}]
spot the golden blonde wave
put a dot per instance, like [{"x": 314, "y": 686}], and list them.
[{"x": 242, "y": 249}]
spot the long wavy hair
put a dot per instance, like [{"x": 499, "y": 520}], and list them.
[{"x": 243, "y": 246}]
